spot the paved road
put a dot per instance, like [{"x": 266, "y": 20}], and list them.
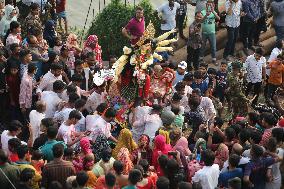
[{"x": 77, "y": 10}]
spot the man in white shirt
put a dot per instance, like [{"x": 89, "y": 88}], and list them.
[
  {"x": 52, "y": 98},
  {"x": 97, "y": 97},
  {"x": 138, "y": 111},
  {"x": 63, "y": 114},
  {"x": 80, "y": 106},
  {"x": 255, "y": 66},
  {"x": 67, "y": 129},
  {"x": 102, "y": 125},
  {"x": 233, "y": 17},
  {"x": 35, "y": 118},
  {"x": 71, "y": 88},
  {"x": 206, "y": 104},
  {"x": 209, "y": 174},
  {"x": 46, "y": 84},
  {"x": 90, "y": 119},
  {"x": 14, "y": 129},
  {"x": 148, "y": 124},
  {"x": 168, "y": 13}
]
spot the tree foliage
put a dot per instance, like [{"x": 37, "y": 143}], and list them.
[{"x": 108, "y": 24}]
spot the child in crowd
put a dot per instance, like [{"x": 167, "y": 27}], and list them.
[
  {"x": 37, "y": 161},
  {"x": 212, "y": 73},
  {"x": 221, "y": 82},
  {"x": 203, "y": 67},
  {"x": 200, "y": 83}
]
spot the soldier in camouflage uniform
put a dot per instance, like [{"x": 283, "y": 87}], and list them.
[{"x": 234, "y": 91}]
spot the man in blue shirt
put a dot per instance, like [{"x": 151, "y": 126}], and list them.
[
  {"x": 233, "y": 172},
  {"x": 255, "y": 170},
  {"x": 199, "y": 83}
]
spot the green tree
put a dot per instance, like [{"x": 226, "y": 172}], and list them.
[{"x": 108, "y": 24}]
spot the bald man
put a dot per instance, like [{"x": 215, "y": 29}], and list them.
[{"x": 238, "y": 150}]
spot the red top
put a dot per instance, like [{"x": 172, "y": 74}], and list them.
[
  {"x": 13, "y": 82},
  {"x": 60, "y": 6},
  {"x": 135, "y": 28}
]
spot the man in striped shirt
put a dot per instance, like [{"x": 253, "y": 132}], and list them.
[{"x": 58, "y": 169}]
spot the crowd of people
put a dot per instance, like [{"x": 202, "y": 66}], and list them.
[{"x": 69, "y": 120}]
